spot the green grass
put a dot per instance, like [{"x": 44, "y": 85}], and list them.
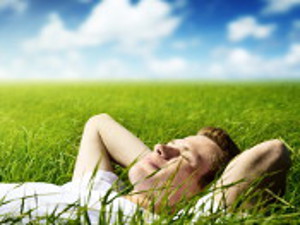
[{"x": 41, "y": 125}]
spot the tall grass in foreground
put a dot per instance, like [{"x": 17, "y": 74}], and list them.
[{"x": 41, "y": 125}]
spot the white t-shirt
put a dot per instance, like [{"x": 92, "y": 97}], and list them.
[{"x": 45, "y": 199}]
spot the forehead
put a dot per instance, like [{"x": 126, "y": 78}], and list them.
[{"x": 201, "y": 144}]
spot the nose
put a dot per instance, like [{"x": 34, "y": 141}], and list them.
[{"x": 166, "y": 152}]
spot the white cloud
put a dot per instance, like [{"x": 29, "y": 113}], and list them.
[
  {"x": 248, "y": 27},
  {"x": 226, "y": 63},
  {"x": 242, "y": 64},
  {"x": 236, "y": 62},
  {"x": 185, "y": 44},
  {"x": 280, "y": 6},
  {"x": 179, "y": 45},
  {"x": 172, "y": 68},
  {"x": 3, "y": 73},
  {"x": 53, "y": 36},
  {"x": 132, "y": 30},
  {"x": 68, "y": 65},
  {"x": 293, "y": 57},
  {"x": 111, "y": 21},
  {"x": 115, "y": 68},
  {"x": 18, "y": 6}
]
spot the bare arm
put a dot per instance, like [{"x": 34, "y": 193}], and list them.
[
  {"x": 104, "y": 139},
  {"x": 268, "y": 161}
]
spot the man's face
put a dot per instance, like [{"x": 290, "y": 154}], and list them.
[{"x": 175, "y": 168}]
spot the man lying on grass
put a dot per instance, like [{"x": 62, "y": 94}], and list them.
[{"x": 160, "y": 178}]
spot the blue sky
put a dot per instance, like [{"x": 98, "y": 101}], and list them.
[{"x": 149, "y": 39}]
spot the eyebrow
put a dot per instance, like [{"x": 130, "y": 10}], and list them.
[
  {"x": 186, "y": 157},
  {"x": 185, "y": 147}
]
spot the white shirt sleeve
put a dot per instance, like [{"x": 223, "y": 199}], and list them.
[{"x": 46, "y": 198}]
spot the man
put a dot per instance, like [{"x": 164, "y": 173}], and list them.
[
  {"x": 160, "y": 178},
  {"x": 182, "y": 167}
]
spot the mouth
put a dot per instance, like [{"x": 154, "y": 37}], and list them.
[{"x": 156, "y": 167}]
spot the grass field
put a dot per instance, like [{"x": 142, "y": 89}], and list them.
[{"x": 41, "y": 125}]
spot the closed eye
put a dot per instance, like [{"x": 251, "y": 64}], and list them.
[{"x": 186, "y": 158}]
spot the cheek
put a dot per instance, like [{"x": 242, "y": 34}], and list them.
[
  {"x": 187, "y": 186},
  {"x": 187, "y": 175}
]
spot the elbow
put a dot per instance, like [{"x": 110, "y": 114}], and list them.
[
  {"x": 280, "y": 153},
  {"x": 277, "y": 147},
  {"x": 101, "y": 116},
  {"x": 97, "y": 119}
]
